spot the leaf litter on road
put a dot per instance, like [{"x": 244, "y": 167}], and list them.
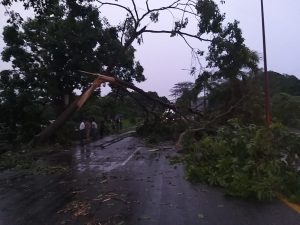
[
  {"x": 77, "y": 208},
  {"x": 109, "y": 196}
]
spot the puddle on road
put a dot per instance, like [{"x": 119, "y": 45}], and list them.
[
  {"x": 90, "y": 157},
  {"x": 103, "y": 167}
]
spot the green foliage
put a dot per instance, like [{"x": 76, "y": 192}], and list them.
[
  {"x": 37, "y": 5},
  {"x": 154, "y": 16},
  {"x": 181, "y": 88},
  {"x": 286, "y": 109},
  {"x": 248, "y": 161},
  {"x": 232, "y": 61},
  {"x": 23, "y": 108},
  {"x": 52, "y": 48},
  {"x": 65, "y": 134},
  {"x": 48, "y": 159},
  {"x": 247, "y": 104},
  {"x": 111, "y": 105},
  {"x": 211, "y": 18},
  {"x": 229, "y": 53},
  {"x": 183, "y": 94},
  {"x": 158, "y": 130},
  {"x": 283, "y": 83},
  {"x": 47, "y": 52},
  {"x": 15, "y": 160}
]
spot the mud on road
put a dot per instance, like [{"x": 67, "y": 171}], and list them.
[{"x": 121, "y": 180}]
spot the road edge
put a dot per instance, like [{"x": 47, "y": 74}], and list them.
[{"x": 294, "y": 206}]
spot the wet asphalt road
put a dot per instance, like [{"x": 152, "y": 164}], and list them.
[{"x": 122, "y": 181}]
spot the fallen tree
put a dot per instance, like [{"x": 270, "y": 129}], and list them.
[{"x": 80, "y": 101}]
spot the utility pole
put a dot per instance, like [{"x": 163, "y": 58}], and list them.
[{"x": 268, "y": 114}]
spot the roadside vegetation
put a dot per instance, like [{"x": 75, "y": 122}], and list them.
[{"x": 249, "y": 161}]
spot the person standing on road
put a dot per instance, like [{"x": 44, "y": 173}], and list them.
[
  {"x": 82, "y": 132},
  {"x": 88, "y": 128},
  {"x": 94, "y": 129}
]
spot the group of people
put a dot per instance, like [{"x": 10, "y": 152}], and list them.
[
  {"x": 88, "y": 130},
  {"x": 116, "y": 124}
]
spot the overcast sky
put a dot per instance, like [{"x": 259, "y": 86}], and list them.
[
  {"x": 165, "y": 59},
  {"x": 163, "y": 62}
]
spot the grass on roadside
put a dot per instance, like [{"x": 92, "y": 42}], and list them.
[{"x": 35, "y": 160}]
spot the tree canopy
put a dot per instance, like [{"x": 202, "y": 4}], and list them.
[{"x": 51, "y": 48}]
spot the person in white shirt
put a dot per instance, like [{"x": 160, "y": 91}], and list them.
[
  {"x": 82, "y": 132},
  {"x": 94, "y": 129}
]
